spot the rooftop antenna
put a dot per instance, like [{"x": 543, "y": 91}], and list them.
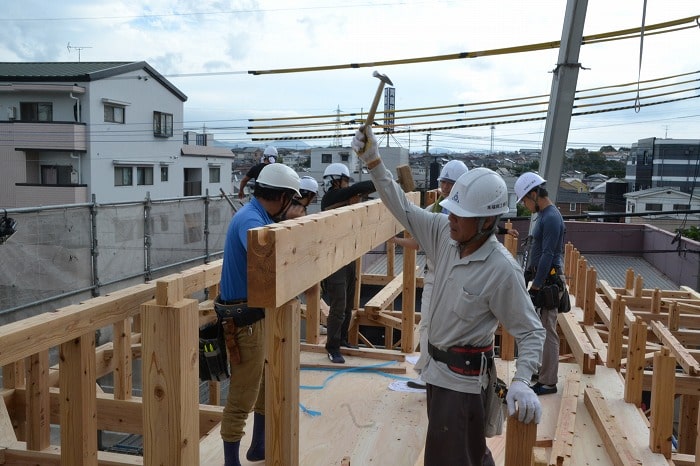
[{"x": 75, "y": 47}]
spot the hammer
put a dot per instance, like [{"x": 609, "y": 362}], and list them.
[{"x": 383, "y": 79}]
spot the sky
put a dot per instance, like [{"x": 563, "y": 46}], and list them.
[{"x": 206, "y": 48}]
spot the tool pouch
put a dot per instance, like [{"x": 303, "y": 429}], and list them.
[
  {"x": 495, "y": 409},
  {"x": 213, "y": 362}
]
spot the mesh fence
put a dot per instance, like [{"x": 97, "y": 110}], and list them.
[{"x": 52, "y": 253}]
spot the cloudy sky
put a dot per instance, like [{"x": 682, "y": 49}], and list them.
[{"x": 207, "y": 47}]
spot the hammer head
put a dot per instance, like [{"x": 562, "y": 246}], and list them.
[{"x": 384, "y": 78}]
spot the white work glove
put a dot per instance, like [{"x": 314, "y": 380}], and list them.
[
  {"x": 365, "y": 144},
  {"x": 529, "y": 407}
]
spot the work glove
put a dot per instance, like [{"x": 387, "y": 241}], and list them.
[
  {"x": 365, "y": 144},
  {"x": 529, "y": 407}
]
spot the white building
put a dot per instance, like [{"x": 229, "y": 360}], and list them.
[
  {"x": 69, "y": 131},
  {"x": 662, "y": 199}
]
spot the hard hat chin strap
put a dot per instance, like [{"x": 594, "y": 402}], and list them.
[{"x": 480, "y": 232}]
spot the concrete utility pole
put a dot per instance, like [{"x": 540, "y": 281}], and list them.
[{"x": 561, "y": 97}]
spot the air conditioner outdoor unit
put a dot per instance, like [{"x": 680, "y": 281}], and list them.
[{"x": 11, "y": 113}]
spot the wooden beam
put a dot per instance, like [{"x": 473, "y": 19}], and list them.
[
  {"x": 616, "y": 444},
  {"x": 386, "y": 296},
  {"x": 283, "y": 261},
  {"x": 563, "y": 445},
  {"x": 520, "y": 440},
  {"x": 683, "y": 357},
  {"x": 38, "y": 402},
  {"x": 582, "y": 349}
]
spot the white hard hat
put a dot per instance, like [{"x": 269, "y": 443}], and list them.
[
  {"x": 526, "y": 183},
  {"x": 452, "y": 170},
  {"x": 278, "y": 176},
  {"x": 308, "y": 183},
  {"x": 478, "y": 193},
  {"x": 336, "y": 170},
  {"x": 270, "y": 150}
]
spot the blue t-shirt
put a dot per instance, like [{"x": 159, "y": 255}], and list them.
[
  {"x": 234, "y": 272},
  {"x": 547, "y": 244}
]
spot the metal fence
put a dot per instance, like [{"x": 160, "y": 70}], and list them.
[{"x": 60, "y": 254}]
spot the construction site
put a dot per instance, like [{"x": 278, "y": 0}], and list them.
[{"x": 629, "y": 362}]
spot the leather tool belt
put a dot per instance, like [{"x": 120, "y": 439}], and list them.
[
  {"x": 464, "y": 360},
  {"x": 239, "y": 312}
]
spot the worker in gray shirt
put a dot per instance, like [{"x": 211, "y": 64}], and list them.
[{"x": 477, "y": 285}]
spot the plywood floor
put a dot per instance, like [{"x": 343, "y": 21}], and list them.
[{"x": 362, "y": 419}]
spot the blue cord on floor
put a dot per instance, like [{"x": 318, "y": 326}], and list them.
[{"x": 337, "y": 372}]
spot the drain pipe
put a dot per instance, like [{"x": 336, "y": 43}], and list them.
[{"x": 77, "y": 105}]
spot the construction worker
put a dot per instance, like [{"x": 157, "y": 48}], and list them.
[
  {"x": 274, "y": 190},
  {"x": 545, "y": 268},
  {"x": 308, "y": 189},
  {"x": 269, "y": 156},
  {"x": 477, "y": 284},
  {"x": 340, "y": 285}
]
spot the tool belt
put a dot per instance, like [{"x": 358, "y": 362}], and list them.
[
  {"x": 213, "y": 363},
  {"x": 464, "y": 360},
  {"x": 238, "y": 311}
]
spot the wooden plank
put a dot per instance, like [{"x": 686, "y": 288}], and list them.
[
  {"x": 582, "y": 349},
  {"x": 520, "y": 440},
  {"x": 683, "y": 357},
  {"x": 282, "y": 384},
  {"x": 38, "y": 435},
  {"x": 405, "y": 178},
  {"x": 78, "y": 401},
  {"x": 371, "y": 353},
  {"x": 563, "y": 445},
  {"x": 171, "y": 379},
  {"x": 7, "y": 432},
  {"x": 597, "y": 342},
  {"x": 662, "y": 407},
  {"x": 51, "y": 456},
  {"x": 386, "y": 296},
  {"x": 616, "y": 443},
  {"x": 308, "y": 249}
]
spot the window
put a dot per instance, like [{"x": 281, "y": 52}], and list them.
[
  {"x": 162, "y": 124},
  {"x": 123, "y": 176},
  {"x": 36, "y": 111},
  {"x": 56, "y": 174},
  {"x": 681, "y": 206},
  {"x": 326, "y": 158},
  {"x": 653, "y": 207},
  {"x": 163, "y": 173},
  {"x": 144, "y": 176},
  {"x": 572, "y": 207},
  {"x": 214, "y": 174},
  {"x": 344, "y": 156},
  {"x": 114, "y": 114}
]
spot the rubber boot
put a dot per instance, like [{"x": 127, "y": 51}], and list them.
[
  {"x": 231, "y": 453},
  {"x": 256, "y": 452}
]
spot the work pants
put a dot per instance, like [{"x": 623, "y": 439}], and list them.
[
  {"x": 456, "y": 429},
  {"x": 340, "y": 289},
  {"x": 246, "y": 391},
  {"x": 549, "y": 369}
]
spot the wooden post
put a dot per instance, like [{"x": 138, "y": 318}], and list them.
[
  {"x": 78, "y": 401},
  {"x": 662, "y": 394},
  {"x": 617, "y": 327},
  {"x": 282, "y": 384},
  {"x": 507, "y": 352},
  {"x": 638, "y": 286},
  {"x": 408, "y": 302},
  {"x": 581, "y": 282},
  {"x": 574, "y": 270},
  {"x": 629, "y": 280},
  {"x": 589, "y": 314},
  {"x": 674, "y": 316},
  {"x": 520, "y": 440},
  {"x": 38, "y": 402},
  {"x": 123, "y": 375},
  {"x": 171, "y": 376},
  {"x": 656, "y": 301},
  {"x": 405, "y": 178},
  {"x": 688, "y": 424},
  {"x": 313, "y": 313},
  {"x": 568, "y": 252},
  {"x": 636, "y": 349}
]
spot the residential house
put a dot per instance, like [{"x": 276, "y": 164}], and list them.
[
  {"x": 572, "y": 202},
  {"x": 113, "y": 130},
  {"x": 655, "y": 162}
]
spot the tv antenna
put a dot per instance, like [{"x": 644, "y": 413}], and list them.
[{"x": 75, "y": 47}]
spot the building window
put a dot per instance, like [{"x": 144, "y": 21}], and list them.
[
  {"x": 653, "y": 207},
  {"x": 163, "y": 173},
  {"x": 326, "y": 158},
  {"x": 572, "y": 207},
  {"x": 214, "y": 174},
  {"x": 36, "y": 111},
  {"x": 344, "y": 156},
  {"x": 681, "y": 206},
  {"x": 123, "y": 176},
  {"x": 114, "y": 114},
  {"x": 162, "y": 124},
  {"x": 144, "y": 176}
]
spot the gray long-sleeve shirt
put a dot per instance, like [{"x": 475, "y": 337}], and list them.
[{"x": 470, "y": 295}]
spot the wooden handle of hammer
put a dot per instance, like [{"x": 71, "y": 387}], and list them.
[{"x": 375, "y": 103}]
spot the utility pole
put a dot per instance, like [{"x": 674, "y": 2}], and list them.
[
  {"x": 427, "y": 161},
  {"x": 564, "y": 78},
  {"x": 492, "y": 129}
]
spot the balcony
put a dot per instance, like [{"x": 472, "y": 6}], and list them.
[
  {"x": 66, "y": 136},
  {"x": 31, "y": 195}
]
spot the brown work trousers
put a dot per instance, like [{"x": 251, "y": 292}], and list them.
[
  {"x": 246, "y": 391},
  {"x": 456, "y": 429}
]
